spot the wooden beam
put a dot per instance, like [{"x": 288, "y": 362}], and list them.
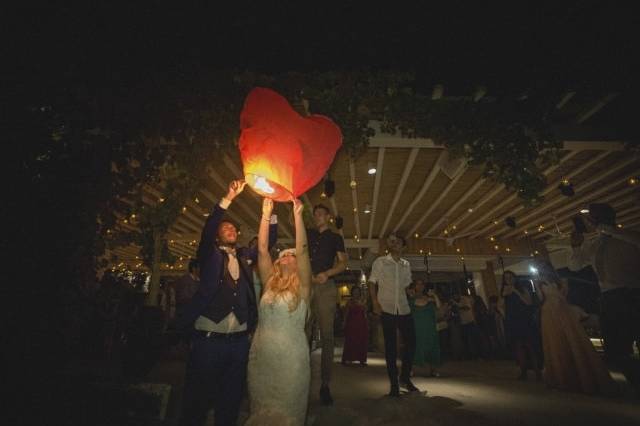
[
  {"x": 400, "y": 189},
  {"x": 457, "y": 204},
  {"x": 435, "y": 203},
  {"x": 425, "y": 186},
  {"x": 563, "y": 225},
  {"x": 512, "y": 197},
  {"x": 597, "y": 107},
  {"x": 376, "y": 189},
  {"x": 566, "y": 98},
  {"x": 550, "y": 188},
  {"x": 580, "y": 200},
  {"x": 354, "y": 200}
]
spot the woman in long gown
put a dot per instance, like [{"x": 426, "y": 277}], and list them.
[
  {"x": 279, "y": 367},
  {"x": 356, "y": 329},
  {"x": 571, "y": 362},
  {"x": 424, "y": 307}
]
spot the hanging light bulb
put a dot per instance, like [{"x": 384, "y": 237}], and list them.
[
  {"x": 371, "y": 169},
  {"x": 367, "y": 209}
]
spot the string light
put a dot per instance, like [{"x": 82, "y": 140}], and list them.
[
  {"x": 446, "y": 232},
  {"x": 161, "y": 200},
  {"x": 454, "y": 227},
  {"x": 355, "y": 210},
  {"x": 353, "y": 184},
  {"x": 133, "y": 216},
  {"x": 508, "y": 250},
  {"x": 492, "y": 239},
  {"x": 417, "y": 235},
  {"x": 184, "y": 209},
  {"x": 429, "y": 253},
  {"x": 197, "y": 200},
  {"x": 619, "y": 225},
  {"x": 470, "y": 210},
  {"x": 497, "y": 247},
  {"x": 323, "y": 195},
  {"x": 421, "y": 251},
  {"x": 457, "y": 250},
  {"x": 526, "y": 232},
  {"x": 495, "y": 222},
  {"x": 633, "y": 181}
]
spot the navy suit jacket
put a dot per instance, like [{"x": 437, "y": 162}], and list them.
[{"x": 212, "y": 261}]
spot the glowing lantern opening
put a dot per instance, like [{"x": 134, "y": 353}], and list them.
[{"x": 284, "y": 154}]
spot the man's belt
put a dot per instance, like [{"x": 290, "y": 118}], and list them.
[{"x": 215, "y": 335}]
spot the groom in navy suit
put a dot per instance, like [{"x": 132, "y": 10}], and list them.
[{"x": 222, "y": 315}]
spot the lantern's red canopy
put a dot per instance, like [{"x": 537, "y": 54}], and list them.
[{"x": 284, "y": 154}]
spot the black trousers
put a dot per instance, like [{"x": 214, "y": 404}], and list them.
[
  {"x": 620, "y": 321},
  {"x": 216, "y": 376},
  {"x": 403, "y": 323}
]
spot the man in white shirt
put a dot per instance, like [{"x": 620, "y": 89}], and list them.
[
  {"x": 390, "y": 277},
  {"x": 614, "y": 255}
]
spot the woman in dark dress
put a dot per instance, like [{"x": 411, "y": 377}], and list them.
[
  {"x": 356, "y": 329},
  {"x": 520, "y": 327}
]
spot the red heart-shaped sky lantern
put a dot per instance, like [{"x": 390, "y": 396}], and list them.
[{"x": 284, "y": 154}]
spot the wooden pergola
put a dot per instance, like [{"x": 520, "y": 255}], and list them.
[{"x": 444, "y": 207}]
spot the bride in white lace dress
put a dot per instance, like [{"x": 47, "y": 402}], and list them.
[{"x": 279, "y": 367}]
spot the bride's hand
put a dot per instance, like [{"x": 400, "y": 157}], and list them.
[
  {"x": 267, "y": 207},
  {"x": 298, "y": 207}
]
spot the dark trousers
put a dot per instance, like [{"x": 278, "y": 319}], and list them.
[
  {"x": 472, "y": 340},
  {"x": 216, "y": 376},
  {"x": 404, "y": 323},
  {"x": 620, "y": 321}
]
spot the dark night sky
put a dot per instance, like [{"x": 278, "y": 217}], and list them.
[{"x": 574, "y": 43}]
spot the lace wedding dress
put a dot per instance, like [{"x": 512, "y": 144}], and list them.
[{"x": 279, "y": 368}]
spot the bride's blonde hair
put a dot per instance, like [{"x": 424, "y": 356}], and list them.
[{"x": 282, "y": 286}]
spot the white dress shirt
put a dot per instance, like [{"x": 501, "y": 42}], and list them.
[
  {"x": 392, "y": 278},
  {"x": 613, "y": 254}
]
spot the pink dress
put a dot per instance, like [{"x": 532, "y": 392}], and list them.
[{"x": 356, "y": 333}]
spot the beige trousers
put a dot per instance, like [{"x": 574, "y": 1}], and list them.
[{"x": 323, "y": 313}]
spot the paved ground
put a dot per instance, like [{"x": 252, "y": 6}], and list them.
[{"x": 468, "y": 393}]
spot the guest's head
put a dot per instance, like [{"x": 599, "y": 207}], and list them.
[
  {"x": 419, "y": 287},
  {"x": 601, "y": 214},
  {"x": 227, "y": 233},
  {"x": 321, "y": 215},
  {"x": 194, "y": 267},
  {"x": 356, "y": 293},
  {"x": 396, "y": 244},
  {"x": 509, "y": 280}
]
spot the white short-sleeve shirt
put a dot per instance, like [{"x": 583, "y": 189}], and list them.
[{"x": 392, "y": 278}]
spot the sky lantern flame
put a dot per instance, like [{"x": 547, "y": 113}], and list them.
[
  {"x": 260, "y": 184},
  {"x": 283, "y": 153}
]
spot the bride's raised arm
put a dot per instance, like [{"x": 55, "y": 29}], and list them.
[
  {"x": 265, "y": 265},
  {"x": 302, "y": 251}
]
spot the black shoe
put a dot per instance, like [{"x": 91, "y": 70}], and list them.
[
  {"x": 394, "y": 392},
  {"x": 325, "y": 395},
  {"x": 409, "y": 386}
]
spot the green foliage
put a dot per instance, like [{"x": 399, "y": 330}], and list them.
[{"x": 165, "y": 132}]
